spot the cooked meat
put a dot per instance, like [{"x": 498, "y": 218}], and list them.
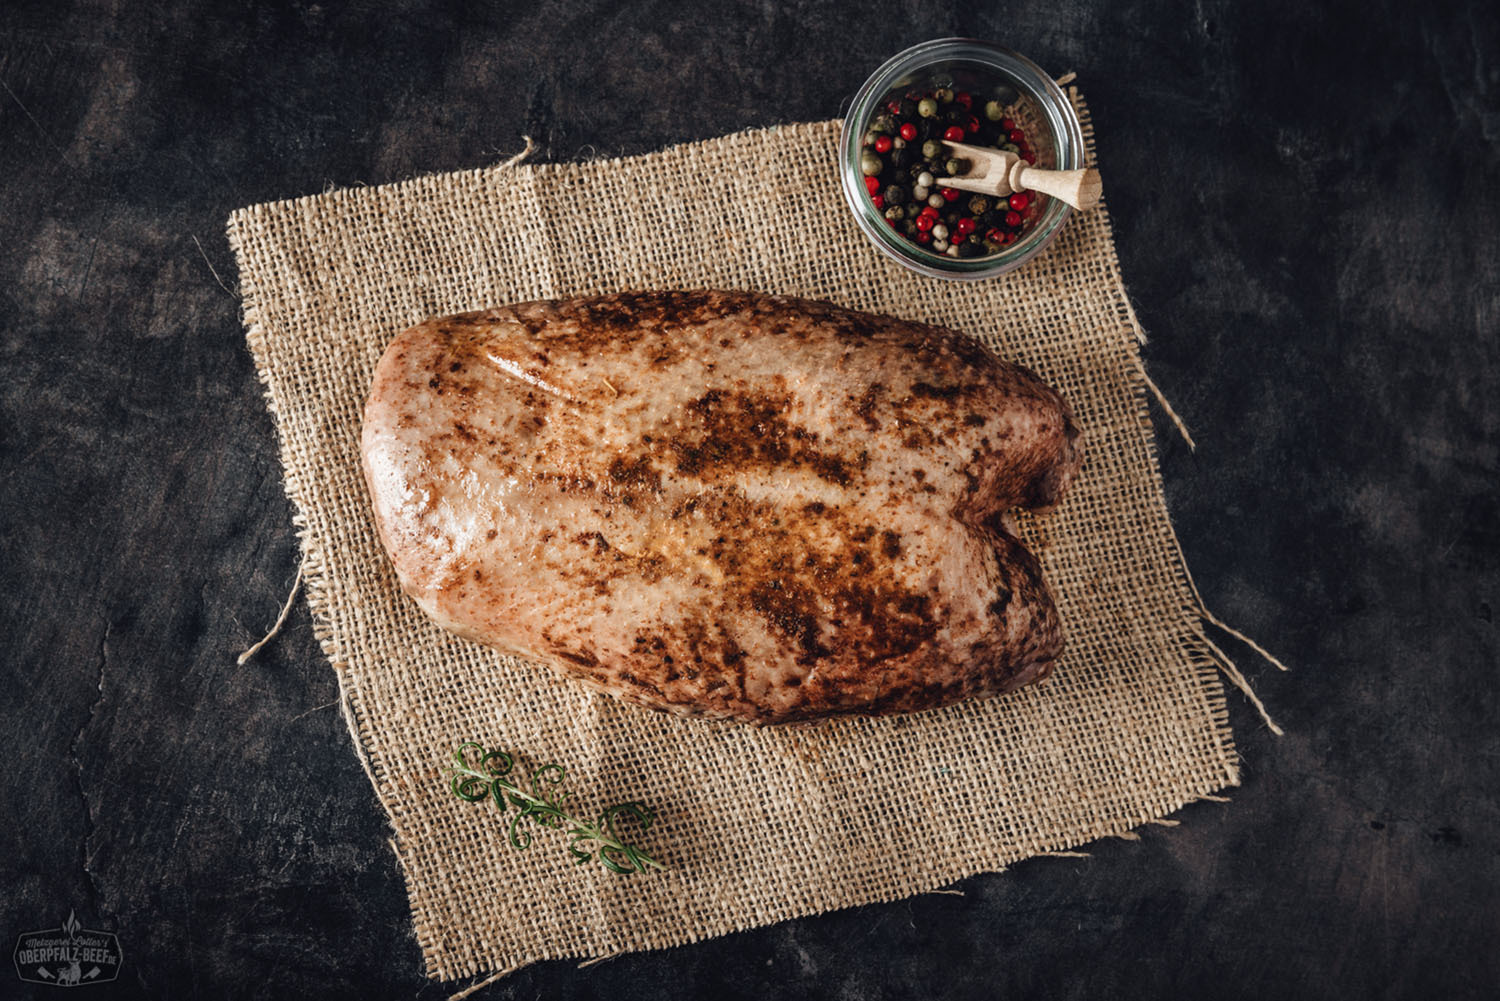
[{"x": 723, "y": 504}]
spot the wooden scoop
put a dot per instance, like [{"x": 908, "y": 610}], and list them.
[{"x": 996, "y": 172}]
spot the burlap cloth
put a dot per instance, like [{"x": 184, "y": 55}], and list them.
[{"x": 757, "y": 825}]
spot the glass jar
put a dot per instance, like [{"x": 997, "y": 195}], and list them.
[{"x": 987, "y": 72}]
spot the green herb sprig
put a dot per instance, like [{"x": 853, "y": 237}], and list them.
[{"x": 543, "y": 804}]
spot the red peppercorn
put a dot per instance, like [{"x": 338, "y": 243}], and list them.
[
  {"x": 996, "y": 234},
  {"x": 892, "y": 223},
  {"x": 908, "y": 132},
  {"x": 1012, "y": 219},
  {"x": 965, "y": 226},
  {"x": 1007, "y": 124},
  {"x": 894, "y": 107},
  {"x": 1018, "y": 201},
  {"x": 973, "y": 125},
  {"x": 1016, "y": 136},
  {"x": 1029, "y": 156},
  {"x": 929, "y": 211},
  {"x": 1010, "y": 238},
  {"x": 925, "y": 222},
  {"x": 872, "y": 184},
  {"x": 953, "y": 134},
  {"x": 882, "y": 144},
  {"x": 923, "y": 236},
  {"x": 879, "y": 201},
  {"x": 951, "y": 194},
  {"x": 965, "y": 98}
]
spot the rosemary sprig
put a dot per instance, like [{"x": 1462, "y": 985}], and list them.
[{"x": 543, "y": 804}]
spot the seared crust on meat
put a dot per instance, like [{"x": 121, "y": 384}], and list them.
[{"x": 723, "y": 504}]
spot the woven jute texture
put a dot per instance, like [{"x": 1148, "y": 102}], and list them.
[{"x": 757, "y": 825}]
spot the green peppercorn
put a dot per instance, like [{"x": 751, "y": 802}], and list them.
[
  {"x": 943, "y": 94},
  {"x": 1010, "y": 147},
  {"x": 926, "y": 107},
  {"x": 979, "y": 205},
  {"x": 954, "y": 167},
  {"x": 994, "y": 110},
  {"x": 883, "y": 122},
  {"x": 991, "y": 247},
  {"x": 895, "y": 213},
  {"x": 869, "y": 164},
  {"x": 932, "y": 149}
]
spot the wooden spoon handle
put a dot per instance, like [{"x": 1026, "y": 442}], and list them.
[{"x": 1079, "y": 188}]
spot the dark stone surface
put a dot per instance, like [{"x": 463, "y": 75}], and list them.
[{"x": 1307, "y": 208}]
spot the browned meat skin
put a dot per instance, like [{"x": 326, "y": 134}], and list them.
[{"x": 723, "y": 504}]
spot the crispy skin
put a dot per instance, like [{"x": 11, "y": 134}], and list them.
[{"x": 723, "y": 504}]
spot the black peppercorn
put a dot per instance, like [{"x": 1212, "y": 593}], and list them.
[
  {"x": 908, "y": 108},
  {"x": 895, "y": 194}
]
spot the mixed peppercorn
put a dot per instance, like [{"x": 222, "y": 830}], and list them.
[{"x": 903, "y": 157}]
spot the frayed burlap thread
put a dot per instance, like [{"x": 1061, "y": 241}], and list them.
[{"x": 757, "y": 825}]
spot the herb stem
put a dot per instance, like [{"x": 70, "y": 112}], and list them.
[{"x": 543, "y": 805}]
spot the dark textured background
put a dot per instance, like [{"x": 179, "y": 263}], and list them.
[{"x": 1307, "y": 207}]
